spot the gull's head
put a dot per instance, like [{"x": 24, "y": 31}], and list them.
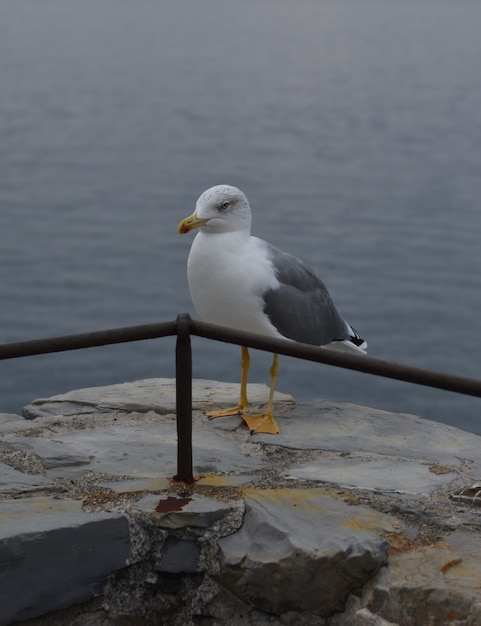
[{"x": 220, "y": 209}]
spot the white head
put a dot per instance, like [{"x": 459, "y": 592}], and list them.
[{"x": 220, "y": 209}]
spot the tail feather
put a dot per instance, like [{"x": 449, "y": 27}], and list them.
[
  {"x": 357, "y": 340},
  {"x": 354, "y": 343}
]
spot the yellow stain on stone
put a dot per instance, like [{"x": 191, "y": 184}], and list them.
[
  {"x": 211, "y": 480},
  {"x": 371, "y": 520},
  {"x": 141, "y": 484},
  {"x": 318, "y": 502},
  {"x": 436, "y": 468},
  {"x": 437, "y": 564},
  {"x": 301, "y": 498}
]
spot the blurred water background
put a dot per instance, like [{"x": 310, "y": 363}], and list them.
[{"x": 353, "y": 126}]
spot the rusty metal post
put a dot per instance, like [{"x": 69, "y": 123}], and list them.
[{"x": 183, "y": 390}]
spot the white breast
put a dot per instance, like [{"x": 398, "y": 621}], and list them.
[{"x": 228, "y": 273}]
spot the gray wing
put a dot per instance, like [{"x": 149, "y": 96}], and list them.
[{"x": 301, "y": 308}]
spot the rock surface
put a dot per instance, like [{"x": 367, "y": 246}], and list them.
[
  {"x": 350, "y": 516},
  {"x": 53, "y": 554},
  {"x": 279, "y": 542}
]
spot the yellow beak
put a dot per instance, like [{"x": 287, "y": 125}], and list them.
[{"x": 189, "y": 223}]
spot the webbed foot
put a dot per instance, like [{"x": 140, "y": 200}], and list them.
[
  {"x": 261, "y": 423},
  {"x": 235, "y": 410}
]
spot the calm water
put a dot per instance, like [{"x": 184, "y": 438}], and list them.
[{"x": 354, "y": 127}]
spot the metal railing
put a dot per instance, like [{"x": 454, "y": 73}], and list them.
[{"x": 183, "y": 327}]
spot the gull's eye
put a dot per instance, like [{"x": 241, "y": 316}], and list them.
[{"x": 225, "y": 205}]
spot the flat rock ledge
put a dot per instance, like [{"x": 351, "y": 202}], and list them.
[{"x": 350, "y": 516}]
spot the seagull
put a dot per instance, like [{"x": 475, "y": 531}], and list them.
[{"x": 245, "y": 283}]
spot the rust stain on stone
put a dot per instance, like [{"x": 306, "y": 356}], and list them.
[
  {"x": 399, "y": 543},
  {"x": 450, "y": 564},
  {"x": 171, "y": 504},
  {"x": 436, "y": 468}
]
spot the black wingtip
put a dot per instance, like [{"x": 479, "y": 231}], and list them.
[{"x": 356, "y": 339}]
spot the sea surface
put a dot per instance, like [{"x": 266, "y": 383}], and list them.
[{"x": 353, "y": 126}]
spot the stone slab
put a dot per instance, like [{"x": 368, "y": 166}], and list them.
[
  {"x": 12, "y": 479},
  {"x": 172, "y": 511},
  {"x": 326, "y": 425},
  {"x": 311, "y": 565},
  {"x": 136, "y": 485},
  {"x": 53, "y": 555},
  {"x": 178, "y": 556},
  {"x": 435, "y": 584},
  {"x": 52, "y": 453},
  {"x": 150, "y": 452},
  {"x": 9, "y": 422},
  {"x": 154, "y": 394},
  {"x": 384, "y": 475},
  {"x": 138, "y": 445}
]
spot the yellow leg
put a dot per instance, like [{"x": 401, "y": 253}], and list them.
[
  {"x": 265, "y": 422},
  {"x": 243, "y": 404}
]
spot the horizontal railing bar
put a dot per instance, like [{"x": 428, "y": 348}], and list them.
[
  {"x": 361, "y": 363},
  {"x": 87, "y": 340}
]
